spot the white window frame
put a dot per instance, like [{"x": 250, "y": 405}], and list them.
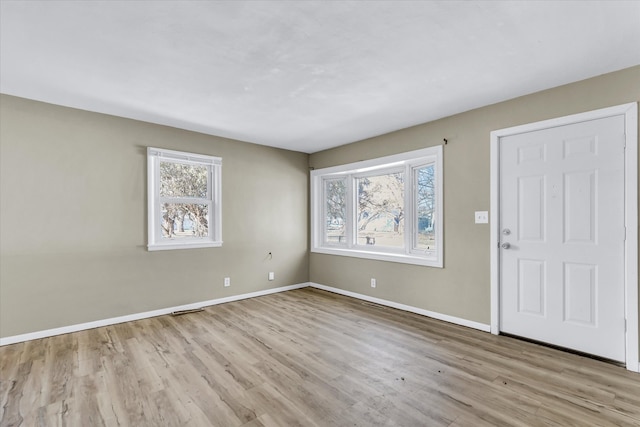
[
  {"x": 408, "y": 163},
  {"x": 214, "y": 191}
]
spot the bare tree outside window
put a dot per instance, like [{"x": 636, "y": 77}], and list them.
[
  {"x": 335, "y": 196},
  {"x": 426, "y": 205},
  {"x": 380, "y": 212},
  {"x": 183, "y": 181}
]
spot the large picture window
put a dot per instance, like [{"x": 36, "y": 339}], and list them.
[
  {"x": 184, "y": 200},
  {"x": 388, "y": 208}
]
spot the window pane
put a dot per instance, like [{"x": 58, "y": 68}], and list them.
[
  {"x": 335, "y": 191},
  {"x": 426, "y": 204},
  {"x": 380, "y": 212},
  {"x": 180, "y": 180},
  {"x": 180, "y": 220}
]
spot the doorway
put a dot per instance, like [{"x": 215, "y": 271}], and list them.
[{"x": 564, "y": 232}]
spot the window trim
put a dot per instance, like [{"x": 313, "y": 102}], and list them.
[
  {"x": 411, "y": 162},
  {"x": 214, "y": 192}
]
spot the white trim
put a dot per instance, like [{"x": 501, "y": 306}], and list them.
[
  {"x": 631, "y": 237},
  {"x": 380, "y": 256},
  {"x": 406, "y": 162},
  {"x": 494, "y": 224},
  {"x": 155, "y": 241},
  {"x": 630, "y": 112},
  {"x": 378, "y": 163},
  {"x": 184, "y": 245},
  {"x": 439, "y": 316},
  {"x": 163, "y": 311},
  {"x": 137, "y": 316},
  {"x": 184, "y": 156}
]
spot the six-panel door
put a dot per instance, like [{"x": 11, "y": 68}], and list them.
[{"x": 562, "y": 236}]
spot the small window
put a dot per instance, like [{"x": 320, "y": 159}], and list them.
[
  {"x": 386, "y": 208},
  {"x": 184, "y": 200}
]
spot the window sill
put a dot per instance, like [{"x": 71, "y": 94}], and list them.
[
  {"x": 193, "y": 245},
  {"x": 380, "y": 256}
]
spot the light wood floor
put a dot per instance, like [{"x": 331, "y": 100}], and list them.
[{"x": 305, "y": 358}]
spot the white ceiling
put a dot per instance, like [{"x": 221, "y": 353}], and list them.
[{"x": 305, "y": 75}]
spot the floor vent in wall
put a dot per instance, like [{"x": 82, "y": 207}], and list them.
[
  {"x": 181, "y": 312},
  {"x": 372, "y": 304}
]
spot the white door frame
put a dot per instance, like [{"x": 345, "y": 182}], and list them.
[{"x": 630, "y": 112}]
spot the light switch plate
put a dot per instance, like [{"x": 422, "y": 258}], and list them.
[{"x": 482, "y": 217}]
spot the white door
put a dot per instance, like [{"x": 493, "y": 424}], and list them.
[{"x": 562, "y": 236}]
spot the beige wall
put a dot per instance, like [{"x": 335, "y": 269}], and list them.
[
  {"x": 73, "y": 219},
  {"x": 462, "y": 287},
  {"x": 73, "y": 212}
]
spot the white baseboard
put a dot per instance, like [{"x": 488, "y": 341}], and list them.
[
  {"x": 137, "y": 316},
  {"x": 439, "y": 316}
]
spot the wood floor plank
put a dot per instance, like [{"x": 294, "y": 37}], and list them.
[
  {"x": 276, "y": 407},
  {"x": 306, "y": 358}
]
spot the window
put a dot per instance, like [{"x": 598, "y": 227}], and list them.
[
  {"x": 388, "y": 208},
  {"x": 184, "y": 200}
]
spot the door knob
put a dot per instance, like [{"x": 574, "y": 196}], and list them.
[
  {"x": 506, "y": 231},
  {"x": 506, "y": 245}
]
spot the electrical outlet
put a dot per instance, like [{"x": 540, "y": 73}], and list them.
[
  {"x": 373, "y": 283},
  {"x": 272, "y": 275},
  {"x": 482, "y": 217},
  {"x": 227, "y": 281}
]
